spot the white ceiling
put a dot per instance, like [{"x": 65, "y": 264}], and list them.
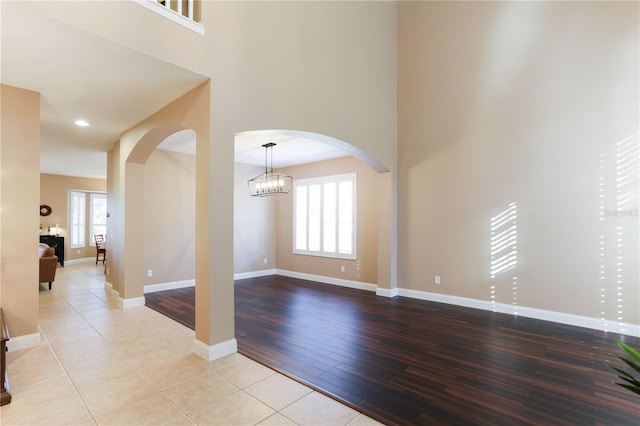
[
  {"x": 82, "y": 76},
  {"x": 292, "y": 147}
]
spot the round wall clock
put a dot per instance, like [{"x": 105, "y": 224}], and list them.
[{"x": 45, "y": 210}]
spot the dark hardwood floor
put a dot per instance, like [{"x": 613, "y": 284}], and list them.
[{"x": 407, "y": 361}]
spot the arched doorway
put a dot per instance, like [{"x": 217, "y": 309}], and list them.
[
  {"x": 374, "y": 270},
  {"x": 215, "y": 331},
  {"x": 213, "y": 256}
]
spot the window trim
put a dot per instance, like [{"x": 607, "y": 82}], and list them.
[{"x": 353, "y": 178}]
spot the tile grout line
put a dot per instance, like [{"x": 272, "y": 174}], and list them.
[
  {"x": 143, "y": 374},
  {"x": 68, "y": 377},
  {"x": 126, "y": 358},
  {"x": 99, "y": 319},
  {"x": 55, "y": 353}
]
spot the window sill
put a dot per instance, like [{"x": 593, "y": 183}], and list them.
[{"x": 327, "y": 255}]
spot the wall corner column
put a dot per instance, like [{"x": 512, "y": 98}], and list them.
[
  {"x": 215, "y": 311},
  {"x": 387, "y": 236}
]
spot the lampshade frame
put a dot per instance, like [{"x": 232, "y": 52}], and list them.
[{"x": 269, "y": 183}]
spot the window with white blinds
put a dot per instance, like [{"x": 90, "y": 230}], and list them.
[
  {"x": 98, "y": 222},
  {"x": 77, "y": 219},
  {"x": 325, "y": 216},
  {"x": 87, "y": 216}
]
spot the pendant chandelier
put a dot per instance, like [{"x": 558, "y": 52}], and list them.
[{"x": 269, "y": 183}]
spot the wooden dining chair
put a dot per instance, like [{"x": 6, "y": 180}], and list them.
[{"x": 100, "y": 248}]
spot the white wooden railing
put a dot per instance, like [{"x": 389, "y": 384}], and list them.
[
  {"x": 185, "y": 8},
  {"x": 184, "y": 12}
]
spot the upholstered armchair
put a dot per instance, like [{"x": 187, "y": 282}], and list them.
[{"x": 48, "y": 264}]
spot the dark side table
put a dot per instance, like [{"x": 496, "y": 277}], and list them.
[{"x": 57, "y": 243}]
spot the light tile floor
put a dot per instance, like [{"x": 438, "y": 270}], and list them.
[{"x": 100, "y": 364}]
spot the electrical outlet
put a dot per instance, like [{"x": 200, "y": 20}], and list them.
[
  {"x": 342, "y": 268},
  {"x": 149, "y": 273},
  {"x": 436, "y": 279},
  {"x": 266, "y": 260},
  {"x": 78, "y": 251}
]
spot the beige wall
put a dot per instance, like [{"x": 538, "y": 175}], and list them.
[
  {"x": 169, "y": 221},
  {"x": 323, "y": 67},
  {"x": 54, "y": 192},
  {"x": 346, "y": 90},
  {"x": 499, "y": 102},
  {"x": 273, "y": 65},
  {"x": 523, "y": 102},
  {"x": 169, "y": 217},
  {"x": 152, "y": 33},
  {"x": 254, "y": 224},
  {"x": 365, "y": 267},
  {"x": 19, "y": 201}
]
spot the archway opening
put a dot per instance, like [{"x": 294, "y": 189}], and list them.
[{"x": 267, "y": 229}]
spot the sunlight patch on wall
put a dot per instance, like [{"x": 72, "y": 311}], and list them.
[
  {"x": 504, "y": 251},
  {"x": 602, "y": 275},
  {"x": 618, "y": 188},
  {"x": 627, "y": 158}
]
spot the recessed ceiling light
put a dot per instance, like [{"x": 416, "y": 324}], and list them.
[{"x": 82, "y": 123}]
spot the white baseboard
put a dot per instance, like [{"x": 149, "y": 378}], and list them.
[
  {"x": 216, "y": 351},
  {"x": 151, "y": 288},
  {"x": 23, "y": 342},
  {"x": 172, "y": 285},
  {"x": 328, "y": 280},
  {"x": 254, "y": 274},
  {"x": 541, "y": 314},
  {"x": 111, "y": 292},
  {"x": 133, "y": 302},
  {"x": 386, "y": 292},
  {"x": 80, "y": 260}
]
